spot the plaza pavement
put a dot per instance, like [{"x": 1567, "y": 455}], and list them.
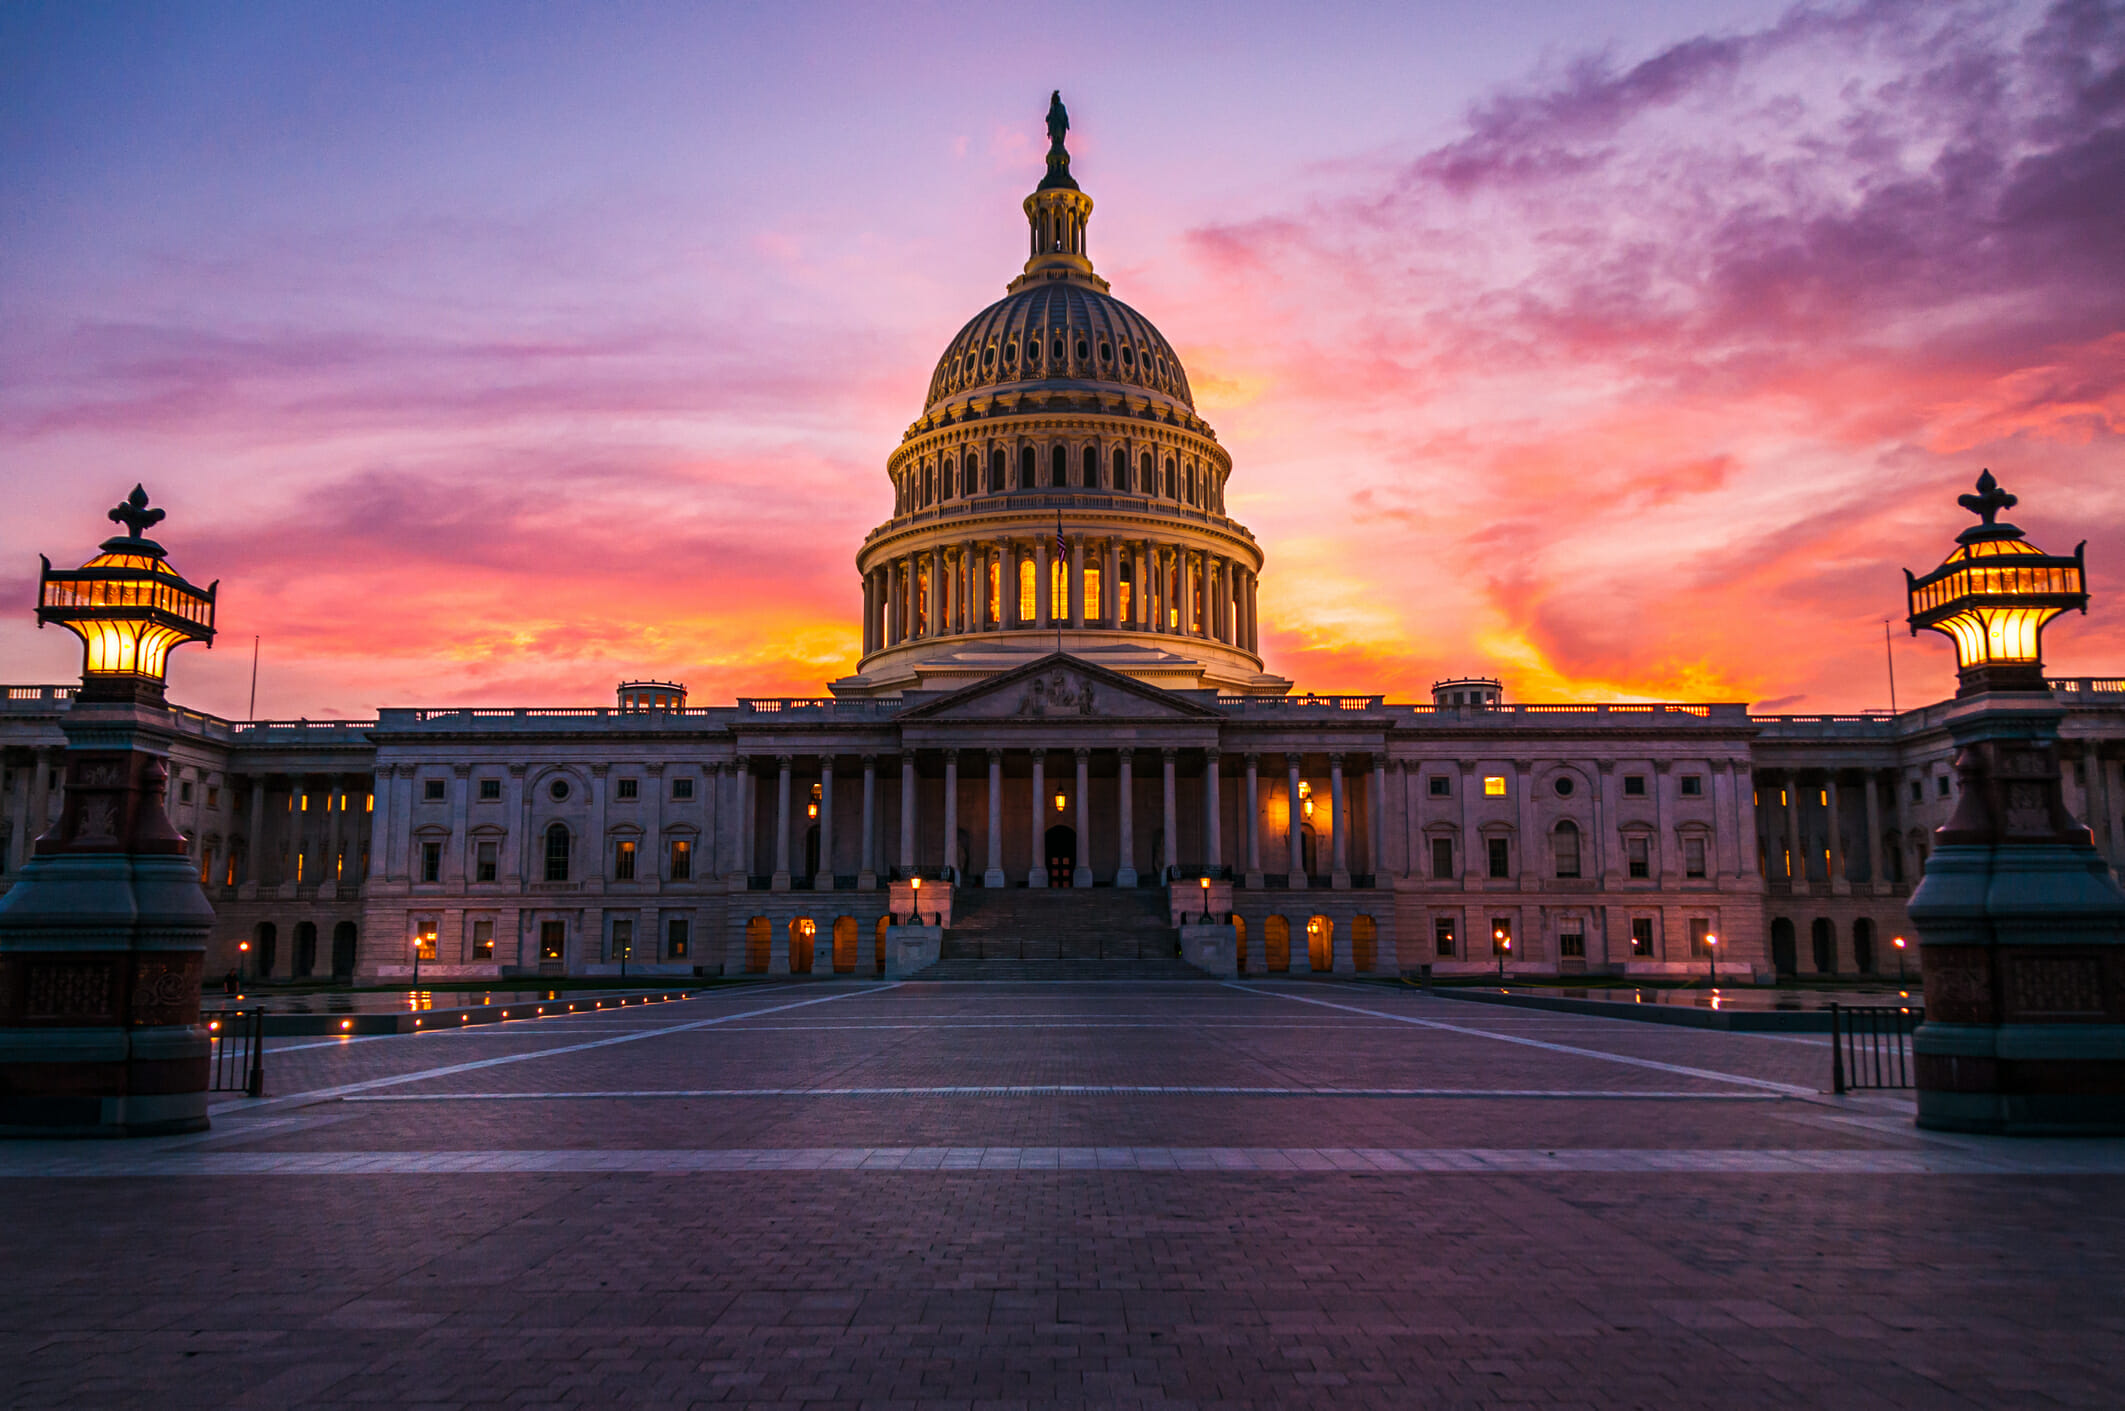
[{"x": 991, "y": 1195}]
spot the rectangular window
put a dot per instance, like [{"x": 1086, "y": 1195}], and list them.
[
  {"x": 431, "y": 862},
  {"x": 682, "y": 860},
  {"x": 628, "y": 788},
  {"x": 1693, "y": 786},
  {"x": 1637, "y": 849},
  {"x": 424, "y": 933},
  {"x": 557, "y": 854},
  {"x": 1940, "y": 785},
  {"x": 1693, "y": 857},
  {"x": 1700, "y": 938},
  {"x": 1571, "y": 944},
  {"x": 1494, "y": 786},
  {"x": 1918, "y": 792},
  {"x": 484, "y": 867},
  {"x": 1565, "y": 843},
  {"x": 1442, "y": 858},
  {"x": 623, "y": 863},
  {"x": 213, "y": 797},
  {"x": 1634, "y": 786},
  {"x": 184, "y": 792},
  {"x": 432, "y": 790},
  {"x": 623, "y": 940},
  {"x": 1641, "y": 935},
  {"x": 490, "y": 790},
  {"x": 553, "y": 938},
  {"x": 1442, "y": 936},
  {"x": 1501, "y": 858},
  {"x": 1501, "y": 935},
  {"x": 1442, "y": 786},
  {"x": 682, "y": 788},
  {"x": 483, "y": 938},
  {"x": 675, "y": 938}
]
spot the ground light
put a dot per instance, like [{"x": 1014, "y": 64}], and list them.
[{"x": 1711, "y": 953}]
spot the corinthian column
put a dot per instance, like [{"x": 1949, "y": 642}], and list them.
[
  {"x": 1082, "y": 877},
  {"x": 994, "y": 877},
  {"x": 1125, "y": 796},
  {"x": 1037, "y": 875}
]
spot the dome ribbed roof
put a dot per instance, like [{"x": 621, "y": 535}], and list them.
[{"x": 1059, "y": 334}]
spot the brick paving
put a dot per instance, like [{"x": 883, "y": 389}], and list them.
[{"x": 1002, "y": 1195}]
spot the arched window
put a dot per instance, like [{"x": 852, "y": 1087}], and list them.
[
  {"x": 1170, "y": 485},
  {"x": 1058, "y": 465},
  {"x": 1027, "y": 577},
  {"x": 1863, "y": 945},
  {"x": 1121, "y": 469},
  {"x": 929, "y": 485},
  {"x": 557, "y": 853},
  {"x": 1091, "y": 467},
  {"x": 1026, "y": 468},
  {"x": 997, "y": 465},
  {"x": 1565, "y": 844},
  {"x": 1823, "y": 941},
  {"x": 263, "y": 939},
  {"x": 1188, "y": 483},
  {"x": 1146, "y": 472}
]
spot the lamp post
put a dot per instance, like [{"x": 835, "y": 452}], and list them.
[
  {"x": 1205, "y": 881},
  {"x": 1899, "y": 960},
  {"x": 2021, "y": 926},
  {"x": 107, "y": 923},
  {"x": 416, "y": 960},
  {"x": 1502, "y": 944},
  {"x": 916, "y": 919},
  {"x": 1711, "y": 953},
  {"x": 243, "y": 962}
]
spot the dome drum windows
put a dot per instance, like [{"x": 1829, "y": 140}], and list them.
[
  {"x": 1058, "y": 466},
  {"x": 1147, "y": 470}
]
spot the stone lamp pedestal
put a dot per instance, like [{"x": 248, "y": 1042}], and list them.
[
  {"x": 102, "y": 939},
  {"x": 2021, "y": 930}
]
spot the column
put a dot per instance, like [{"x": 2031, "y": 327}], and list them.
[
  {"x": 823, "y": 881},
  {"x": 780, "y": 881},
  {"x": 1082, "y": 877},
  {"x": 1213, "y": 811},
  {"x": 1172, "y": 856},
  {"x": 910, "y": 594},
  {"x": 1037, "y": 876},
  {"x": 867, "y": 862},
  {"x": 1834, "y": 813},
  {"x": 1338, "y": 826},
  {"x": 652, "y": 865},
  {"x": 1876, "y": 877},
  {"x": 454, "y": 853},
  {"x": 907, "y": 813},
  {"x": 1254, "y": 622},
  {"x": 1254, "y": 822},
  {"x": 379, "y": 827},
  {"x": 516, "y": 807},
  {"x": 255, "y": 848},
  {"x": 951, "y": 813},
  {"x": 891, "y": 592},
  {"x": 993, "y": 875},
  {"x": 747, "y": 817},
  {"x": 1110, "y": 585},
  {"x": 1139, "y": 587},
  {"x": 1745, "y": 820},
  {"x": 1077, "y": 591},
  {"x": 595, "y": 857},
  {"x": 1184, "y": 571},
  {"x": 1125, "y": 800},
  {"x": 1473, "y": 862},
  {"x": 1042, "y": 607},
  {"x": 1376, "y": 819},
  {"x": 1797, "y": 866},
  {"x": 1295, "y": 825},
  {"x": 869, "y": 593}
]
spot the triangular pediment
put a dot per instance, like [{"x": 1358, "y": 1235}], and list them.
[{"x": 1061, "y": 687}]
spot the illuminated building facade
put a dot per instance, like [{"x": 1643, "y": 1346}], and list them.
[{"x": 1059, "y": 689}]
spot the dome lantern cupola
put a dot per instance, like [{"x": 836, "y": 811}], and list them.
[{"x": 1058, "y": 213}]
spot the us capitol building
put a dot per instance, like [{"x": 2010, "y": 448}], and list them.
[{"x": 1060, "y": 723}]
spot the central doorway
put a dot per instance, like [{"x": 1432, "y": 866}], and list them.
[{"x": 1062, "y": 855}]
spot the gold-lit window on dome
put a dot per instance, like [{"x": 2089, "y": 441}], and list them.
[
  {"x": 1026, "y": 581},
  {"x": 1125, "y": 599},
  {"x": 995, "y": 590},
  {"x": 1059, "y": 583},
  {"x": 1091, "y": 594}
]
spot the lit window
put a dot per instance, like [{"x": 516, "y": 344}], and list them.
[
  {"x": 675, "y": 938},
  {"x": 1501, "y": 935},
  {"x": 1641, "y": 935},
  {"x": 682, "y": 860},
  {"x": 1442, "y": 936},
  {"x": 624, "y": 862},
  {"x": 1494, "y": 786},
  {"x": 553, "y": 937},
  {"x": 483, "y": 939},
  {"x": 424, "y": 938}
]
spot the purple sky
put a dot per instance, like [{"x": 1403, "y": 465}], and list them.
[{"x": 491, "y": 353}]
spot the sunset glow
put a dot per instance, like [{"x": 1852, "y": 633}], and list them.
[{"x": 1620, "y": 352}]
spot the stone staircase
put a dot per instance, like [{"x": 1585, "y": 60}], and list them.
[{"x": 1060, "y": 933}]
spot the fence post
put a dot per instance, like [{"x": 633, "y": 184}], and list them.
[
  {"x": 1837, "y": 1053},
  {"x": 255, "y": 1083}
]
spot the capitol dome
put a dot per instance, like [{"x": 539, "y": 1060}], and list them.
[{"x": 1059, "y": 492}]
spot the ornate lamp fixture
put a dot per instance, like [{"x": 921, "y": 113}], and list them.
[
  {"x": 1993, "y": 595},
  {"x": 129, "y": 607}
]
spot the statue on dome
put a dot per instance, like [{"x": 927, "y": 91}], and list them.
[{"x": 1058, "y": 121}]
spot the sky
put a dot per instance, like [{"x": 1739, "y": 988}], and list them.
[{"x": 489, "y": 354}]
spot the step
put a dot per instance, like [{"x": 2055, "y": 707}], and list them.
[
  {"x": 1063, "y": 971},
  {"x": 1037, "y": 924}
]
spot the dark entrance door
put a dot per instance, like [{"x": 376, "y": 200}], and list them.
[
  {"x": 1825, "y": 946},
  {"x": 1062, "y": 855},
  {"x": 1784, "y": 957},
  {"x": 343, "y": 949}
]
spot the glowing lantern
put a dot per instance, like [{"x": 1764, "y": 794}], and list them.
[
  {"x": 1993, "y": 595},
  {"x": 129, "y": 607}
]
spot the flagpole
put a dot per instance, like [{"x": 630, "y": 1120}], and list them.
[{"x": 1061, "y": 551}]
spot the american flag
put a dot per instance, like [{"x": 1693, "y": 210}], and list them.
[{"x": 1062, "y": 545}]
